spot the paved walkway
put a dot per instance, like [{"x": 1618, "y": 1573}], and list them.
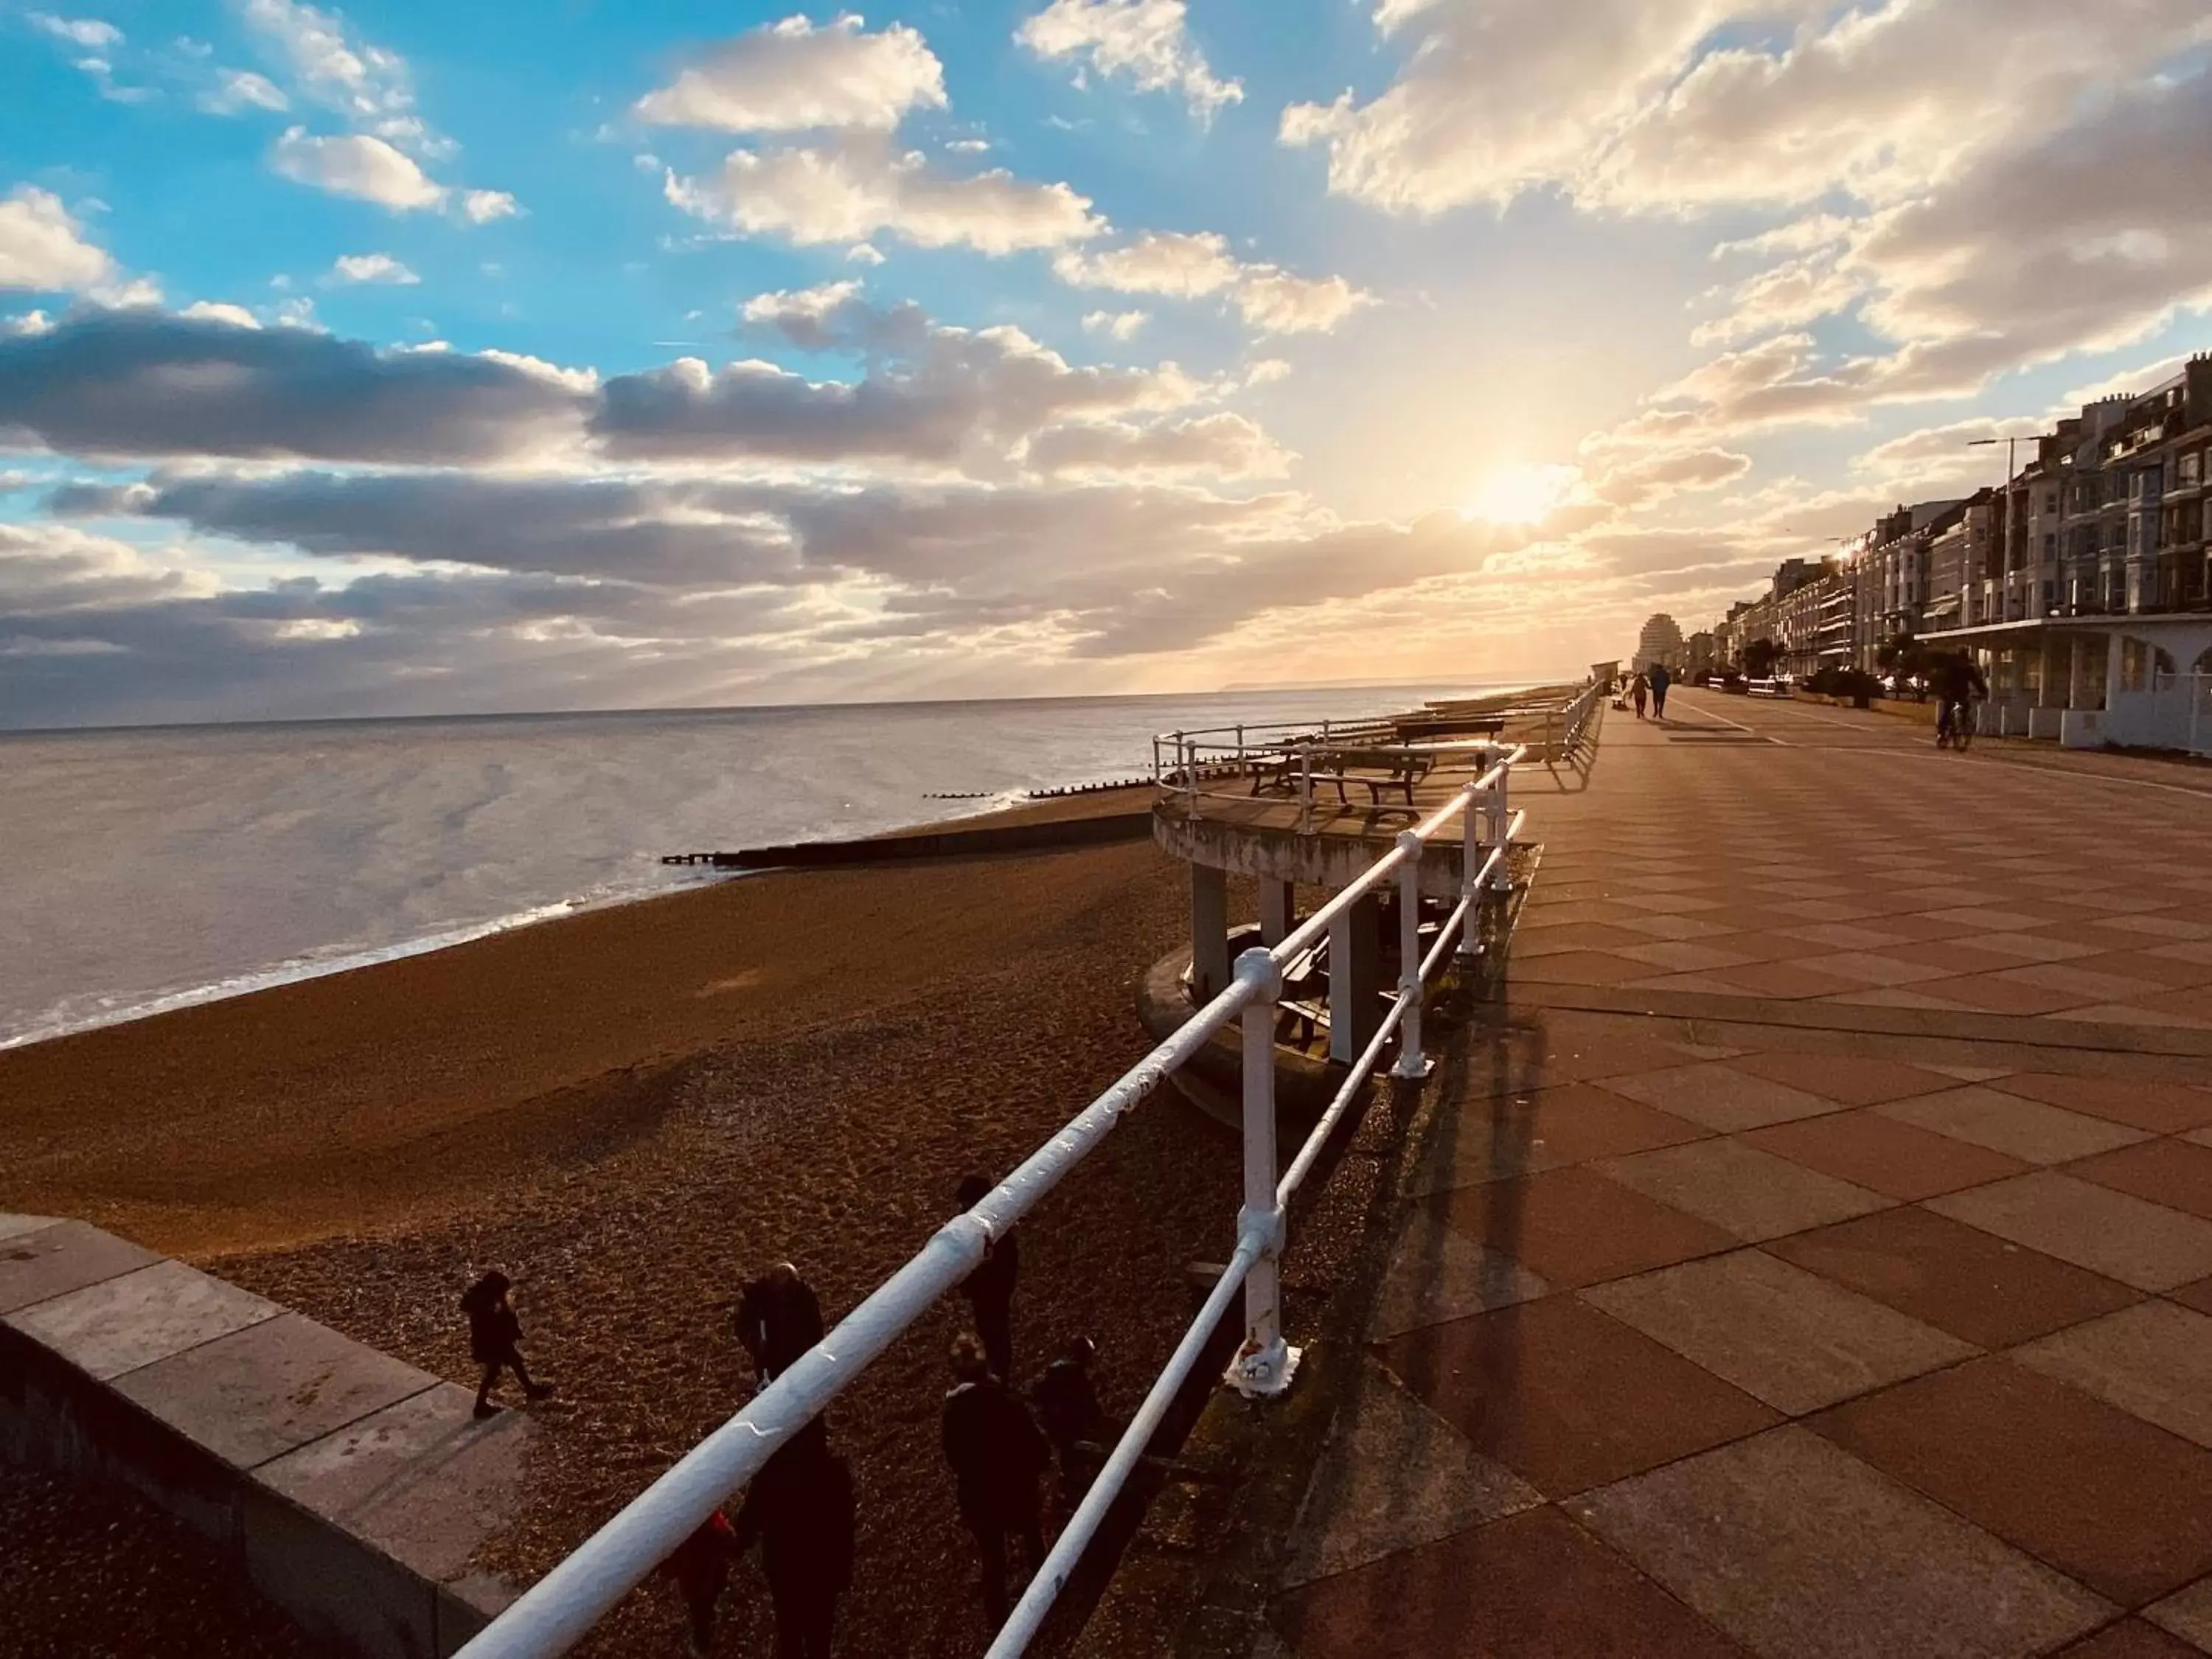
[{"x": 1813, "y": 1256}]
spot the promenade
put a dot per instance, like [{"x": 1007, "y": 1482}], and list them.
[{"x": 1811, "y": 1254}]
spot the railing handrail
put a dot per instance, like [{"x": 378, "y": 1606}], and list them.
[{"x": 557, "y": 1612}]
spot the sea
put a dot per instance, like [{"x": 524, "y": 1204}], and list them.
[{"x": 149, "y": 868}]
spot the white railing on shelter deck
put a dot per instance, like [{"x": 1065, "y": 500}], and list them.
[{"x": 558, "y": 1611}]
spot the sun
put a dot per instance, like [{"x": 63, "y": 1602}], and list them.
[{"x": 1520, "y": 494}]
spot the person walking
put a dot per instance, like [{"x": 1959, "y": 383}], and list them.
[
  {"x": 1067, "y": 1408},
  {"x": 997, "y": 1457},
  {"x": 1639, "y": 689},
  {"x": 778, "y": 1318},
  {"x": 800, "y": 1509},
  {"x": 701, "y": 1570},
  {"x": 1660, "y": 679},
  {"x": 990, "y": 1288},
  {"x": 495, "y": 1338}
]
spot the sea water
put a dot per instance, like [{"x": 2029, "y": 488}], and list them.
[{"x": 147, "y": 868}]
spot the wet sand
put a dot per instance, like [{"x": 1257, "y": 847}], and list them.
[{"x": 631, "y": 1110}]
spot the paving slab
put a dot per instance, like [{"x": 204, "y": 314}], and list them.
[
  {"x": 1800, "y": 1550},
  {"x": 38, "y": 1263},
  {"x": 2138, "y": 1242},
  {"x": 1567, "y": 1397},
  {"x": 2154, "y": 1359},
  {"x": 1526, "y": 1132},
  {"x": 1573, "y": 1226},
  {"x": 117, "y": 1325},
  {"x": 1752, "y": 1194},
  {"x": 1533, "y": 1586},
  {"x": 274, "y": 1386},
  {"x": 1898, "y": 1160},
  {"x": 2029, "y": 1130},
  {"x": 1847, "y": 1080},
  {"x": 2161, "y": 1108},
  {"x": 2130, "y": 1639},
  {"x": 1394, "y": 1475},
  {"x": 1790, "y": 1338},
  {"x": 422, "y": 1479},
  {"x": 11, "y": 1226},
  {"x": 2115, "y": 1502},
  {"x": 2175, "y": 1173},
  {"x": 1956, "y": 1278},
  {"x": 1718, "y": 1095},
  {"x": 1439, "y": 1273},
  {"x": 2188, "y": 1614}
]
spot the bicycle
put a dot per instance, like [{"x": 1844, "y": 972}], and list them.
[{"x": 1955, "y": 723}]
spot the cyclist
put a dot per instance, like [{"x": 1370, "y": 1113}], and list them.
[{"x": 1956, "y": 681}]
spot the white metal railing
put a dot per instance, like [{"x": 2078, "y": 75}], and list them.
[
  {"x": 1566, "y": 727},
  {"x": 558, "y": 1611}
]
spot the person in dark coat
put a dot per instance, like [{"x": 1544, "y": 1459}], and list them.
[
  {"x": 1661, "y": 678},
  {"x": 778, "y": 1319},
  {"x": 1073, "y": 1421},
  {"x": 990, "y": 1288},
  {"x": 700, "y": 1568},
  {"x": 801, "y": 1509},
  {"x": 997, "y": 1455},
  {"x": 494, "y": 1334}
]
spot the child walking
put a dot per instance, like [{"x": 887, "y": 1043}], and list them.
[{"x": 494, "y": 1334}]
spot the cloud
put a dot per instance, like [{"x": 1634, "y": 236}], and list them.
[
  {"x": 792, "y": 77},
  {"x": 1116, "y": 325},
  {"x": 42, "y": 247},
  {"x": 932, "y": 395},
  {"x": 372, "y": 267},
  {"x": 358, "y": 166},
  {"x": 851, "y": 188},
  {"x": 145, "y": 383},
  {"x": 1193, "y": 265},
  {"x": 90, "y": 33},
  {"x": 241, "y": 89},
  {"x": 1224, "y": 444},
  {"x": 1145, "y": 40},
  {"x": 481, "y": 207},
  {"x": 219, "y": 311},
  {"x": 331, "y": 66},
  {"x": 1673, "y": 105}
]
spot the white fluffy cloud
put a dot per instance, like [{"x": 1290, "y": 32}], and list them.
[
  {"x": 481, "y": 207},
  {"x": 241, "y": 89},
  {"x": 332, "y": 66},
  {"x": 357, "y": 164},
  {"x": 42, "y": 247},
  {"x": 372, "y": 267},
  {"x": 1146, "y": 40},
  {"x": 1631, "y": 103},
  {"x": 792, "y": 76},
  {"x": 849, "y": 188},
  {"x": 1224, "y": 445},
  {"x": 1116, "y": 325},
  {"x": 1195, "y": 265},
  {"x": 91, "y": 33}
]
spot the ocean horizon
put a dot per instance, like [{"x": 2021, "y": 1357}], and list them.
[{"x": 154, "y": 867}]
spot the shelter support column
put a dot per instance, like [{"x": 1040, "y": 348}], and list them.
[
  {"x": 1355, "y": 978},
  {"x": 1209, "y": 933},
  {"x": 1275, "y": 909}
]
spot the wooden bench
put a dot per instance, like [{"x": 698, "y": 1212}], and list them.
[{"x": 1399, "y": 772}]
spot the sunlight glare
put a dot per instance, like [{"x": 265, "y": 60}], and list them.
[{"x": 1521, "y": 493}]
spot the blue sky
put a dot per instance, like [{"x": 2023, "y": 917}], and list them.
[{"x": 379, "y": 359}]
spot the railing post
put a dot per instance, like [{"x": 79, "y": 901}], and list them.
[
  {"x": 1264, "y": 1361},
  {"x": 1413, "y": 1064},
  {"x": 1305, "y": 789},
  {"x": 1470, "y": 866},
  {"x": 1501, "y": 820}
]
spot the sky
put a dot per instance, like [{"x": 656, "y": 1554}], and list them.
[{"x": 411, "y": 358}]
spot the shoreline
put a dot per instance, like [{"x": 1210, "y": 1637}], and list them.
[
  {"x": 348, "y": 959},
  {"x": 371, "y": 1096}
]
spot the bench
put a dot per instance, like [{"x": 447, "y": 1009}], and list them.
[{"x": 1399, "y": 772}]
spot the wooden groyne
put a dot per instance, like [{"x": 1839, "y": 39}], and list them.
[{"x": 931, "y": 844}]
